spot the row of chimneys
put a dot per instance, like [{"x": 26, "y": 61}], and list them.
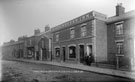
[
  {"x": 119, "y": 11},
  {"x": 37, "y": 31}
]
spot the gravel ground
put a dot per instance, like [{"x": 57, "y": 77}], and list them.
[{"x": 14, "y": 71}]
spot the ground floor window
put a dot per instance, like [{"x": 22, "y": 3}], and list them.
[
  {"x": 120, "y": 49},
  {"x": 72, "y": 52},
  {"x": 29, "y": 52},
  {"x": 57, "y": 52}
]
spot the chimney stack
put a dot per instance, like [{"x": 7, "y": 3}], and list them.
[
  {"x": 47, "y": 27},
  {"x": 37, "y": 31},
  {"x": 119, "y": 9}
]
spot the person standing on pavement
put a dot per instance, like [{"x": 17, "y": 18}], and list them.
[{"x": 89, "y": 56}]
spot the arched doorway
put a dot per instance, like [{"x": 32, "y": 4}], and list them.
[{"x": 42, "y": 54}]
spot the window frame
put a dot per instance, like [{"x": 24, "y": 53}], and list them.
[
  {"x": 72, "y": 33},
  {"x": 120, "y": 48},
  {"x": 57, "y": 37},
  {"x": 56, "y": 51},
  {"x": 119, "y": 28},
  {"x": 69, "y": 57},
  {"x": 83, "y": 30}
]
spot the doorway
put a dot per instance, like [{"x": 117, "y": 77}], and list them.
[
  {"x": 81, "y": 51},
  {"x": 89, "y": 49},
  {"x": 64, "y": 53},
  {"x": 43, "y": 55},
  {"x": 37, "y": 55}
]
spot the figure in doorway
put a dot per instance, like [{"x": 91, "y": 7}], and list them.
[
  {"x": 89, "y": 59},
  {"x": 89, "y": 56}
]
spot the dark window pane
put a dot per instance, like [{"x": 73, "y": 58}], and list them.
[{"x": 72, "y": 53}]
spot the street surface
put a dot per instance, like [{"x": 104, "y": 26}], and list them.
[{"x": 15, "y": 71}]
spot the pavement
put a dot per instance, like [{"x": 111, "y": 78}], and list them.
[{"x": 114, "y": 72}]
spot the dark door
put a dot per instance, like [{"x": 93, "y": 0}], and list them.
[
  {"x": 44, "y": 54},
  {"x": 64, "y": 54},
  {"x": 37, "y": 56},
  {"x": 81, "y": 53}
]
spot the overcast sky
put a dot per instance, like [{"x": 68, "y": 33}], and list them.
[{"x": 21, "y": 17}]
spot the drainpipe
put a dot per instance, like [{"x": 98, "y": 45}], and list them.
[
  {"x": 41, "y": 54},
  {"x": 117, "y": 61}
]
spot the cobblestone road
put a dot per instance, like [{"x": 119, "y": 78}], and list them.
[{"x": 14, "y": 71}]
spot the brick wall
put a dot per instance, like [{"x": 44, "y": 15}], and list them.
[
  {"x": 101, "y": 41},
  {"x": 65, "y": 40},
  {"x": 127, "y": 40}
]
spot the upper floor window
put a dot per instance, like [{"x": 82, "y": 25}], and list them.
[
  {"x": 57, "y": 37},
  {"x": 72, "y": 33},
  {"x": 119, "y": 29},
  {"x": 83, "y": 30},
  {"x": 120, "y": 49}
]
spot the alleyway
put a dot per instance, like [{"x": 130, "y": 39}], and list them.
[{"x": 14, "y": 71}]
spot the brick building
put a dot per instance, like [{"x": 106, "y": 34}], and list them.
[
  {"x": 110, "y": 40},
  {"x": 120, "y": 37},
  {"x": 74, "y": 39},
  {"x": 30, "y": 47},
  {"x": 43, "y": 46},
  {"x": 37, "y": 46},
  {"x": 13, "y": 49}
]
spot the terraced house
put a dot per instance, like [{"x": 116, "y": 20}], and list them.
[
  {"x": 121, "y": 37},
  {"x": 110, "y": 40},
  {"x": 13, "y": 49},
  {"x": 73, "y": 39},
  {"x": 35, "y": 47}
]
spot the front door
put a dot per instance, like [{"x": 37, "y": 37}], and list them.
[
  {"x": 81, "y": 54},
  {"x": 64, "y": 54},
  {"x": 37, "y": 55},
  {"x": 44, "y": 54}
]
